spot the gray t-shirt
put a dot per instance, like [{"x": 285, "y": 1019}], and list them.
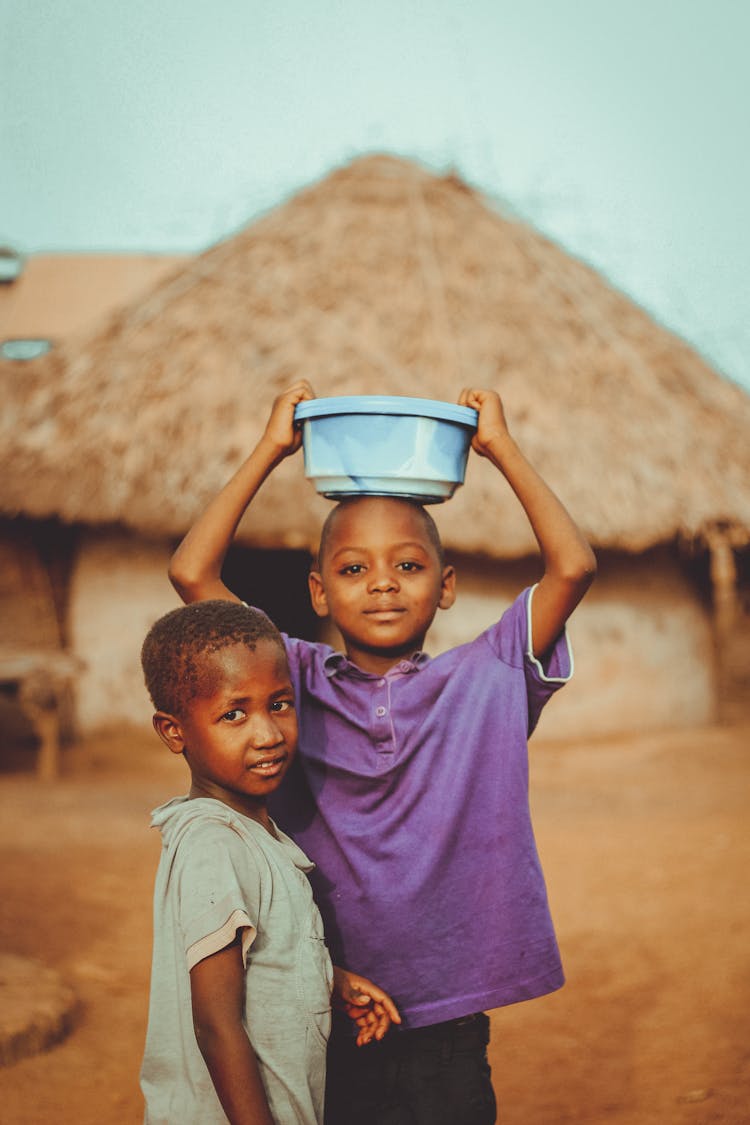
[{"x": 221, "y": 873}]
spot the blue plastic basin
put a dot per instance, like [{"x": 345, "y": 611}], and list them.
[{"x": 385, "y": 445}]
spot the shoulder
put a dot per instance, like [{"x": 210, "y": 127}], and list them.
[
  {"x": 509, "y": 639},
  {"x": 301, "y": 652},
  {"x": 307, "y": 659},
  {"x": 217, "y": 861},
  {"x": 214, "y": 836}
]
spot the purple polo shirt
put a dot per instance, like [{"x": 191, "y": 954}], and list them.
[{"x": 410, "y": 793}]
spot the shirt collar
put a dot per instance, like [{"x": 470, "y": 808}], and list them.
[{"x": 337, "y": 663}]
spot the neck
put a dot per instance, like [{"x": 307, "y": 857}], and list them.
[
  {"x": 255, "y": 808},
  {"x": 379, "y": 662}
]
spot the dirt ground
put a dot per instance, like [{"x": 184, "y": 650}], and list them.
[{"x": 646, "y": 848}]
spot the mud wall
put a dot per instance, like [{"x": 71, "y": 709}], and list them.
[{"x": 119, "y": 587}]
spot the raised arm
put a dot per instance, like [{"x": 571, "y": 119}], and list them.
[
  {"x": 195, "y": 568},
  {"x": 569, "y": 562},
  {"x": 217, "y": 985}
]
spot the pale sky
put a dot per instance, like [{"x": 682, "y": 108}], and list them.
[{"x": 617, "y": 127}]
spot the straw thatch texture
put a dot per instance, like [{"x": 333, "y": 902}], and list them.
[{"x": 382, "y": 278}]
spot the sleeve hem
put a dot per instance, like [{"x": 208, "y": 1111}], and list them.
[
  {"x": 534, "y": 660},
  {"x": 219, "y": 939}
]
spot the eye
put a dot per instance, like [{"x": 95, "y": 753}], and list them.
[
  {"x": 234, "y": 716},
  {"x": 352, "y": 568},
  {"x": 409, "y": 567},
  {"x": 280, "y": 706}
]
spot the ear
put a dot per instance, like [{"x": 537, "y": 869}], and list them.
[
  {"x": 317, "y": 593},
  {"x": 448, "y": 588},
  {"x": 170, "y": 731}
]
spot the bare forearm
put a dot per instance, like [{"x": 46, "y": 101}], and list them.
[
  {"x": 569, "y": 562},
  {"x": 565, "y": 551},
  {"x": 234, "y": 1072},
  {"x": 195, "y": 568}
]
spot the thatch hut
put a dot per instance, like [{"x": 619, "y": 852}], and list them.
[{"x": 386, "y": 278}]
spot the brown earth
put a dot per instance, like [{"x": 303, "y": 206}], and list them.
[{"x": 646, "y": 848}]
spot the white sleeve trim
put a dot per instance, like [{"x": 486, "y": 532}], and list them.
[
  {"x": 530, "y": 651},
  {"x": 221, "y": 938}
]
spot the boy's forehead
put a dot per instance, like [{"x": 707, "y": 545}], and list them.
[
  {"x": 216, "y": 667},
  {"x": 375, "y": 516}
]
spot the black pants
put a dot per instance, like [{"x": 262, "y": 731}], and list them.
[{"x": 435, "y": 1075}]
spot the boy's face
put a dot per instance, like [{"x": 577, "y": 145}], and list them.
[
  {"x": 381, "y": 581},
  {"x": 239, "y": 735}
]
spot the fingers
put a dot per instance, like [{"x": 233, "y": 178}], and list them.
[
  {"x": 373, "y": 1022},
  {"x": 356, "y": 995},
  {"x": 297, "y": 392},
  {"x": 383, "y": 1002},
  {"x": 492, "y": 426},
  {"x": 368, "y": 1006},
  {"x": 363, "y": 992},
  {"x": 288, "y": 399},
  {"x": 471, "y": 396},
  {"x": 280, "y": 428},
  {"x": 477, "y": 396}
]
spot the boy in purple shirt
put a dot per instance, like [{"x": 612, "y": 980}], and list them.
[{"x": 411, "y": 786}]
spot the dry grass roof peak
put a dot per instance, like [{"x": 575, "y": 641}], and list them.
[{"x": 381, "y": 278}]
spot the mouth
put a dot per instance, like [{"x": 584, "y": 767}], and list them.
[
  {"x": 269, "y": 767},
  {"x": 384, "y": 612}
]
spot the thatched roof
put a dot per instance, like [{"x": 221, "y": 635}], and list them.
[{"x": 383, "y": 278}]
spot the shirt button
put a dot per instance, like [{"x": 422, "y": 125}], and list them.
[
  {"x": 404, "y": 666},
  {"x": 381, "y": 683},
  {"x": 380, "y": 711}
]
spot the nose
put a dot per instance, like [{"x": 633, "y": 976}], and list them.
[
  {"x": 382, "y": 580},
  {"x": 263, "y": 732}
]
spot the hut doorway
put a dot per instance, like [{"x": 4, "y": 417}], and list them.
[{"x": 276, "y": 582}]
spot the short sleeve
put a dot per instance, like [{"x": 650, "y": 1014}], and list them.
[
  {"x": 218, "y": 891},
  {"x": 511, "y": 640}
]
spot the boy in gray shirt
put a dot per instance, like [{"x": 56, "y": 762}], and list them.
[{"x": 241, "y": 979}]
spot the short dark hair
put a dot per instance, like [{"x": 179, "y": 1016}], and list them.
[
  {"x": 429, "y": 525},
  {"x": 171, "y": 656}
]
